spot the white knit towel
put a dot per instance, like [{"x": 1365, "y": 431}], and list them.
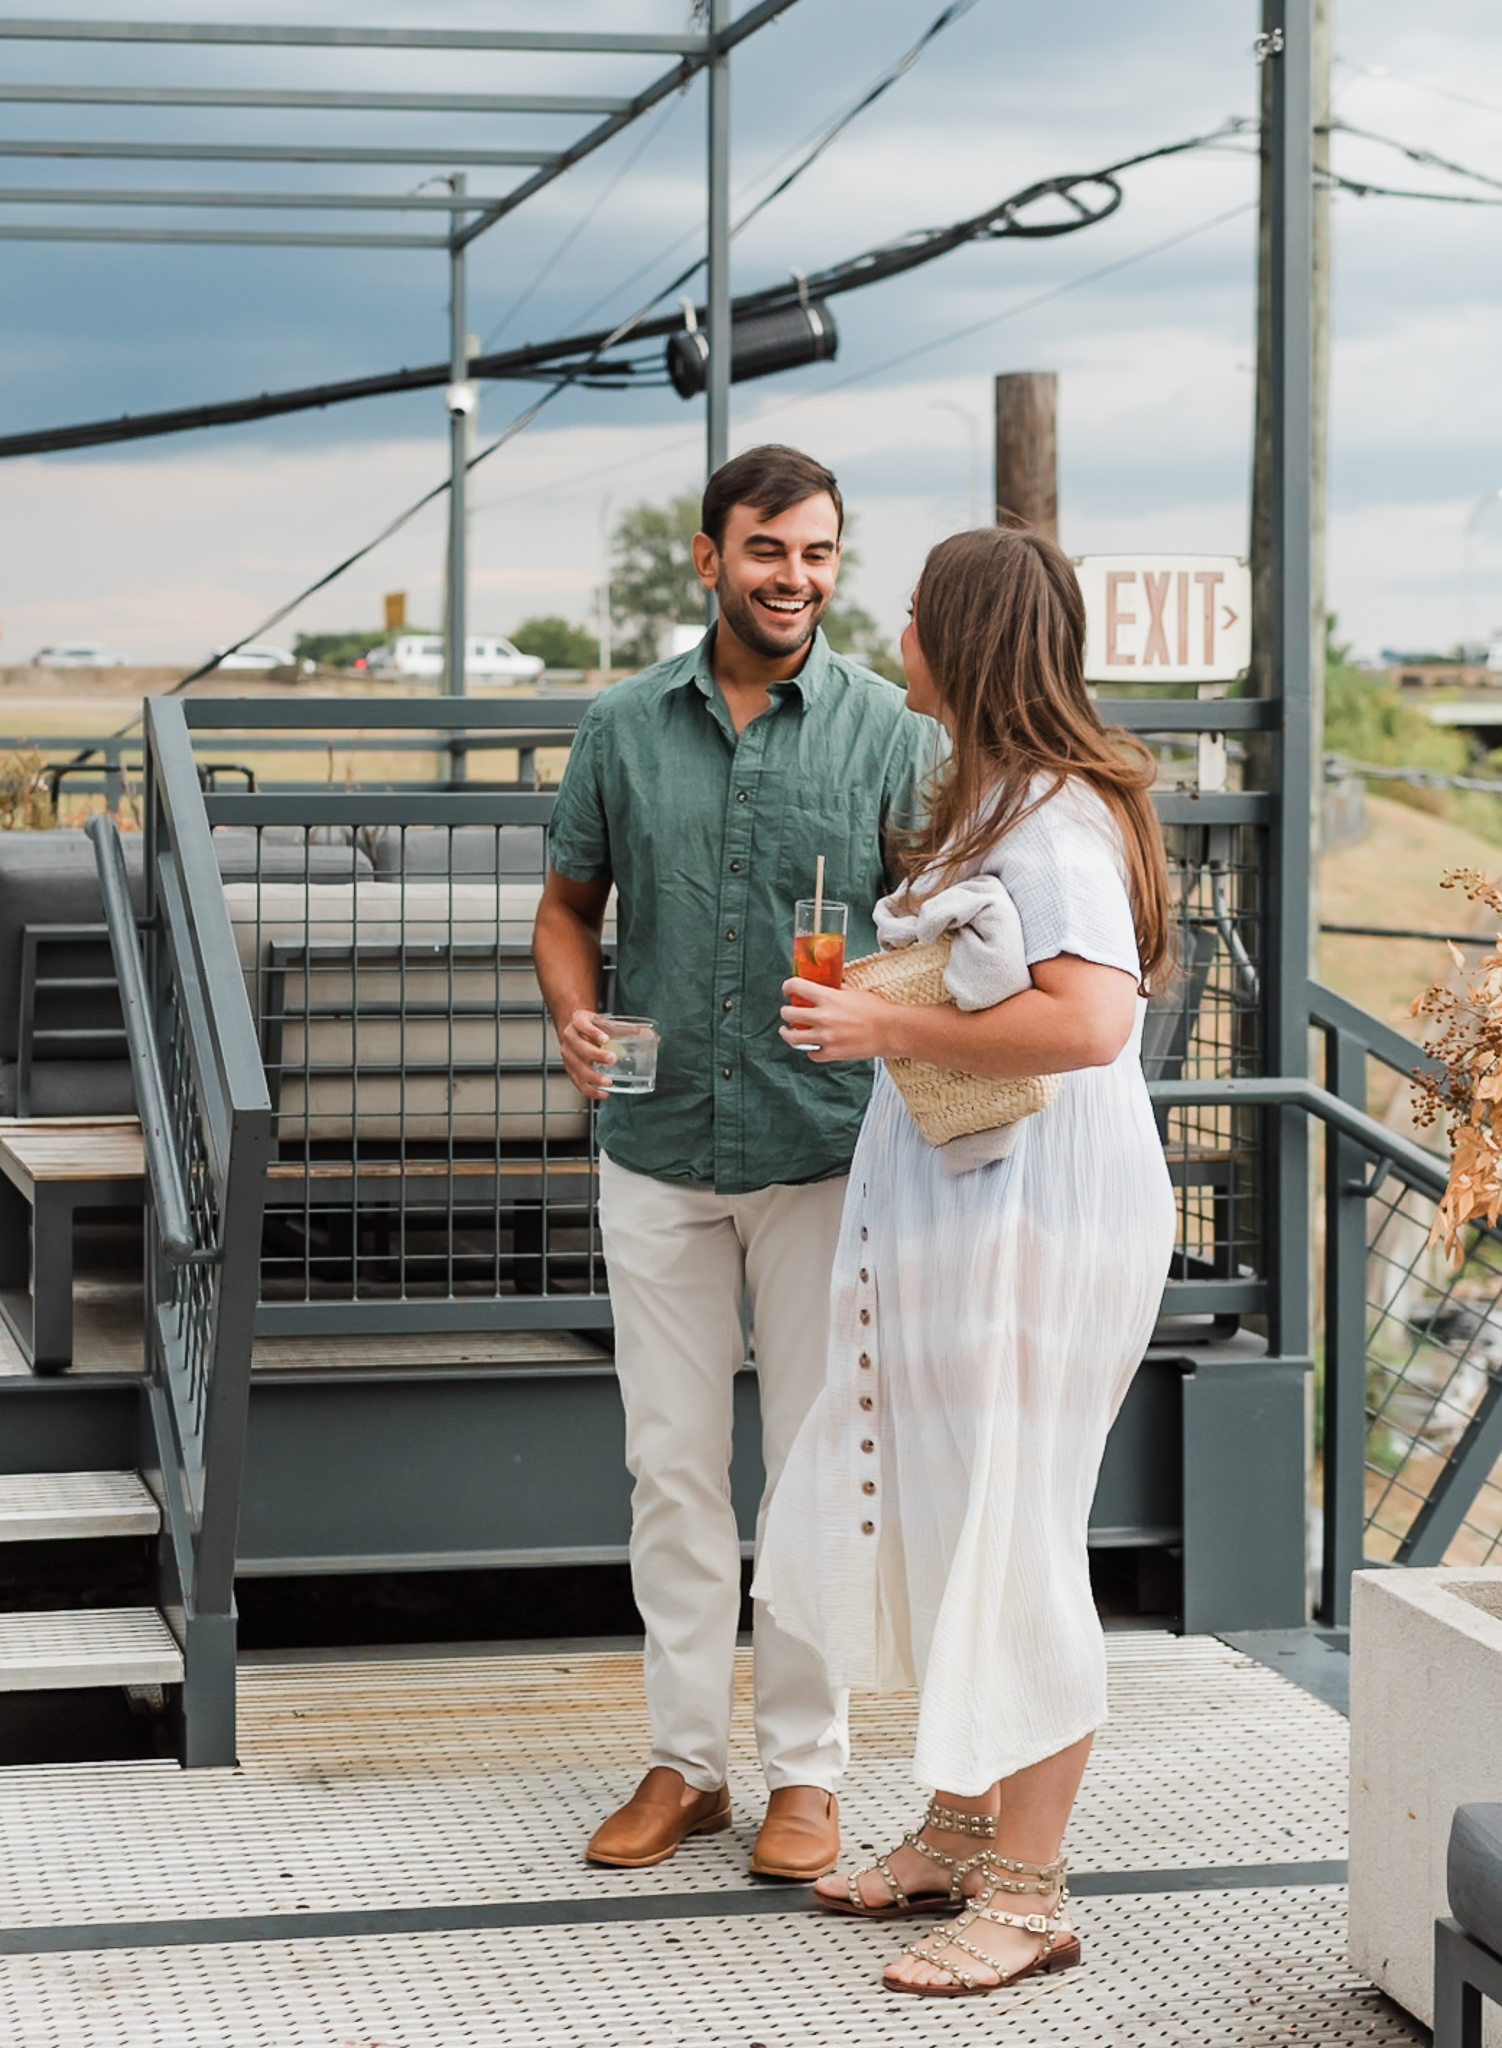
[{"x": 987, "y": 964}]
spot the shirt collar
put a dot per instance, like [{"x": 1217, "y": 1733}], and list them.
[{"x": 809, "y": 681}]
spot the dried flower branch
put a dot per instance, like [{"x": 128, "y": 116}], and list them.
[{"x": 1469, "y": 1048}]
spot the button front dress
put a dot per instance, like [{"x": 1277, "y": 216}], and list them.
[{"x": 929, "y": 1527}]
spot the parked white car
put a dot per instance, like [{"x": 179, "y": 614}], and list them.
[
  {"x": 78, "y": 654},
  {"x": 259, "y": 654},
  {"x": 485, "y": 660}
]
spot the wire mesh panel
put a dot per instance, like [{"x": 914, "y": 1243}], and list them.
[
  {"x": 1434, "y": 1388},
  {"x": 429, "y": 1147},
  {"x": 1208, "y": 1026}
]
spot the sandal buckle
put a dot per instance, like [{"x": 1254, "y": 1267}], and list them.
[{"x": 1035, "y": 1923}]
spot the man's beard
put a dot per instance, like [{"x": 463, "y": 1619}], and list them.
[{"x": 739, "y": 616}]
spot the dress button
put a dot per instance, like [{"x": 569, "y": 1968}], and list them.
[
  {"x": 865, "y": 1315},
  {"x": 868, "y": 1528},
  {"x": 864, "y": 1274},
  {"x": 866, "y": 1402},
  {"x": 866, "y": 1444},
  {"x": 864, "y": 1233},
  {"x": 868, "y": 1486},
  {"x": 866, "y": 1360}
]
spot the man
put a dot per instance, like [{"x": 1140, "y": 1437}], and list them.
[{"x": 704, "y": 790}]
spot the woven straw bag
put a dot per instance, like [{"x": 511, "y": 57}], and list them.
[{"x": 944, "y": 1103}]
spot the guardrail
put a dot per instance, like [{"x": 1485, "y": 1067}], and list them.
[
  {"x": 427, "y": 1169},
  {"x": 207, "y": 1121}
]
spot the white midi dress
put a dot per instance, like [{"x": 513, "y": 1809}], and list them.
[{"x": 929, "y": 1526}]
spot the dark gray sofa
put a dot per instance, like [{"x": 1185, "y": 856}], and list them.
[{"x": 1468, "y": 1948}]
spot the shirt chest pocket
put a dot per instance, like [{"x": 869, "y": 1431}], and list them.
[{"x": 844, "y": 826}]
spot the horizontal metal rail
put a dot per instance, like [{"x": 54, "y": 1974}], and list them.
[
  {"x": 1425, "y": 1170},
  {"x": 173, "y": 1214},
  {"x": 306, "y": 36}
]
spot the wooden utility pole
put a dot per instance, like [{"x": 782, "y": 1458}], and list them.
[{"x": 1027, "y": 448}]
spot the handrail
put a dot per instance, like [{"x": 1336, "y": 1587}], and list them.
[
  {"x": 1426, "y": 1170},
  {"x": 174, "y": 1217}
]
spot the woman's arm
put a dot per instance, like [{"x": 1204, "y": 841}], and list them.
[{"x": 1076, "y": 1014}]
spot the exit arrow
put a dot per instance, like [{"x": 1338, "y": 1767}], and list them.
[{"x": 1230, "y": 618}]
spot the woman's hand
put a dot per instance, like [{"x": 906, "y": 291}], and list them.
[{"x": 835, "y": 1023}]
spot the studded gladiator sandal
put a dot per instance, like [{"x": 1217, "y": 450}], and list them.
[
  {"x": 1059, "y": 1947},
  {"x": 979, "y": 1826}
]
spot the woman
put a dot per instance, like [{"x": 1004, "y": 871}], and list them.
[{"x": 930, "y": 1526}]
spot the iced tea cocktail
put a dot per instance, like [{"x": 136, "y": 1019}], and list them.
[{"x": 819, "y": 943}]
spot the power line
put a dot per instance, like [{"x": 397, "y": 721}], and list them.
[
  {"x": 1417, "y": 155},
  {"x": 585, "y": 359}
]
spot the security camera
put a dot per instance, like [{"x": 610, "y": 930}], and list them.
[{"x": 463, "y": 399}]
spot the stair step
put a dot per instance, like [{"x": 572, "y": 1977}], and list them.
[
  {"x": 87, "y": 1646},
  {"x": 37, "y": 1506}
]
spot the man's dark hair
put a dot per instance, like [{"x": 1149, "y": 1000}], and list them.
[{"x": 769, "y": 479}]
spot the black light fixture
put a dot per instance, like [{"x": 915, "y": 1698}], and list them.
[{"x": 760, "y": 345}]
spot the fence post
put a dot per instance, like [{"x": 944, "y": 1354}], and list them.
[{"x": 1343, "y": 1414}]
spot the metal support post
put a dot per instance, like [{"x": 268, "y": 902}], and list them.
[
  {"x": 718, "y": 297},
  {"x": 1286, "y": 46},
  {"x": 454, "y": 623},
  {"x": 1343, "y": 1409}
]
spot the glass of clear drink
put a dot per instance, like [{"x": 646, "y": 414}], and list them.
[
  {"x": 634, "y": 1041},
  {"x": 819, "y": 943}
]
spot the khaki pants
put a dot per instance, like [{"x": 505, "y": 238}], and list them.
[{"x": 680, "y": 1258}]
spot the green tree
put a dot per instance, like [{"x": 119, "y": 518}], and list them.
[
  {"x": 652, "y": 579},
  {"x": 336, "y": 650},
  {"x": 654, "y": 584},
  {"x": 557, "y": 643}
]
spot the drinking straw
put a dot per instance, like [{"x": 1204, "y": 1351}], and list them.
[{"x": 819, "y": 893}]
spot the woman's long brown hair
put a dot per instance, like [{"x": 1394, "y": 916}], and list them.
[{"x": 1001, "y": 624}]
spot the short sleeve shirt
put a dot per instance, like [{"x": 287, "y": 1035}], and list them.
[{"x": 711, "y": 838}]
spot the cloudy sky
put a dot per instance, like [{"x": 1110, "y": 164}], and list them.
[{"x": 171, "y": 546}]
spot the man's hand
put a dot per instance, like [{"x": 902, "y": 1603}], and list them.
[
  {"x": 835, "y": 1023},
  {"x": 580, "y": 1042}
]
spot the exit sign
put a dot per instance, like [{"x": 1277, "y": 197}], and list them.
[{"x": 1166, "y": 618}]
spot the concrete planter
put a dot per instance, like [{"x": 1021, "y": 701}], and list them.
[{"x": 1426, "y": 1735}]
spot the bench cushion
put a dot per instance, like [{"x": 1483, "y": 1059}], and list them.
[
  {"x": 1475, "y": 1872},
  {"x": 466, "y": 850}
]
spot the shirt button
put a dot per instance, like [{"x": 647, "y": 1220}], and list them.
[
  {"x": 866, "y": 1444},
  {"x": 743, "y": 796},
  {"x": 868, "y": 1528},
  {"x": 727, "y": 1004},
  {"x": 731, "y": 933},
  {"x": 724, "y": 1073},
  {"x": 867, "y": 1402},
  {"x": 868, "y": 1486},
  {"x": 735, "y": 867},
  {"x": 865, "y": 1315},
  {"x": 866, "y": 1360}
]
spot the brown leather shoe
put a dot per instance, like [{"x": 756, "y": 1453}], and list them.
[
  {"x": 655, "y": 1819},
  {"x": 800, "y": 1837}
]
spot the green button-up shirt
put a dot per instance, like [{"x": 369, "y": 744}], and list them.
[{"x": 710, "y": 839}]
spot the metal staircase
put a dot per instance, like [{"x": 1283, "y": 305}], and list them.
[{"x": 72, "y": 1648}]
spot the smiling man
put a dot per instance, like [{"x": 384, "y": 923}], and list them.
[{"x": 704, "y": 790}]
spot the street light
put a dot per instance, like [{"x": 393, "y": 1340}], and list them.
[{"x": 972, "y": 428}]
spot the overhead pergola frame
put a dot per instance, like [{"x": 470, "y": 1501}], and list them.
[{"x": 469, "y": 214}]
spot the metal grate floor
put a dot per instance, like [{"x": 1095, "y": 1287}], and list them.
[{"x": 454, "y": 1783}]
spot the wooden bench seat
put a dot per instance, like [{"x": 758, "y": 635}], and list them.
[{"x": 49, "y": 1170}]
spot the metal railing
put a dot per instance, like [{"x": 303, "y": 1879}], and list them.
[
  {"x": 429, "y": 1169},
  {"x": 206, "y": 1122}
]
